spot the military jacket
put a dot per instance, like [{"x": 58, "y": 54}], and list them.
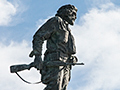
[{"x": 60, "y": 41}]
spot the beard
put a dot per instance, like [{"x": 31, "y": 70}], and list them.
[{"x": 70, "y": 20}]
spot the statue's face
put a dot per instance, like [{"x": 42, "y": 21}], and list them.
[{"x": 71, "y": 17}]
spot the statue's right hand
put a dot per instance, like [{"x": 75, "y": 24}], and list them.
[
  {"x": 38, "y": 62},
  {"x": 31, "y": 54}
]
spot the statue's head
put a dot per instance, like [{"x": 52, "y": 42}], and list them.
[{"x": 67, "y": 13}]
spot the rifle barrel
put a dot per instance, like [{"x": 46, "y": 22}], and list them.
[
  {"x": 55, "y": 63},
  {"x": 79, "y": 64}
]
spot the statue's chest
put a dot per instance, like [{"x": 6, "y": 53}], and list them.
[{"x": 62, "y": 35}]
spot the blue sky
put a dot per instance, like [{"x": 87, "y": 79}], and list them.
[
  {"x": 96, "y": 32},
  {"x": 28, "y": 12}
]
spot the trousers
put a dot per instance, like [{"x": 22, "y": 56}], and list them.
[{"x": 56, "y": 78}]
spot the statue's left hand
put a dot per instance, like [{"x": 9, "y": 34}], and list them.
[{"x": 73, "y": 59}]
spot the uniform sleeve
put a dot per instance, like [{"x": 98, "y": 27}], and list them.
[{"x": 43, "y": 33}]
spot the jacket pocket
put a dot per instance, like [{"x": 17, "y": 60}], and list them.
[{"x": 63, "y": 36}]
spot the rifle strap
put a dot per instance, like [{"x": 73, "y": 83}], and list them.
[
  {"x": 35, "y": 82},
  {"x": 25, "y": 80}
]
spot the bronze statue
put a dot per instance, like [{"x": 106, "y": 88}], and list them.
[{"x": 58, "y": 58}]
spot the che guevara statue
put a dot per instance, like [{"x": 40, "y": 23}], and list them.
[
  {"x": 60, "y": 49},
  {"x": 59, "y": 57}
]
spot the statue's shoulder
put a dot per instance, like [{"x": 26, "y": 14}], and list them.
[{"x": 55, "y": 19}]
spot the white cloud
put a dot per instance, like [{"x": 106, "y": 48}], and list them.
[
  {"x": 98, "y": 46},
  {"x": 12, "y": 54},
  {"x": 11, "y": 11},
  {"x": 7, "y": 10}
]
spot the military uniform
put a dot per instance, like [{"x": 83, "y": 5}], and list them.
[{"x": 60, "y": 47}]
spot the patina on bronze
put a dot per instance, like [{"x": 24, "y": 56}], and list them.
[{"x": 59, "y": 56}]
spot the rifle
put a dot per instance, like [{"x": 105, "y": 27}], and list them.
[
  {"x": 21, "y": 67},
  {"x": 60, "y": 63}
]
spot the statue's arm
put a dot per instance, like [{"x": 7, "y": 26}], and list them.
[{"x": 40, "y": 36}]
